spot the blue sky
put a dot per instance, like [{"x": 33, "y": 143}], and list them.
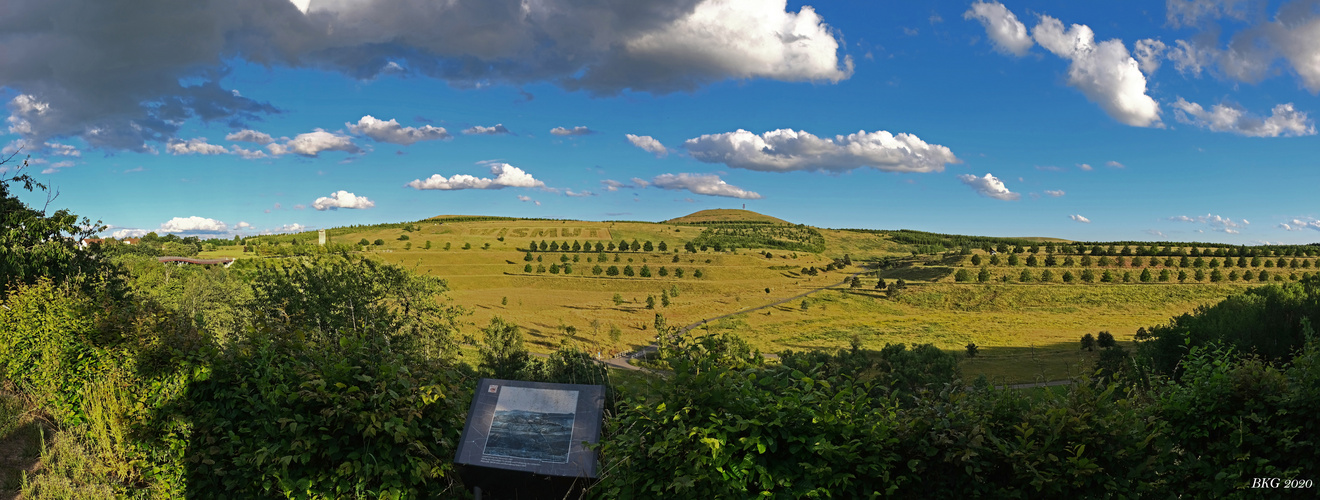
[{"x": 1185, "y": 121}]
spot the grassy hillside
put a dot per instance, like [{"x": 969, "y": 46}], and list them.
[
  {"x": 725, "y": 215},
  {"x": 1013, "y": 302}
]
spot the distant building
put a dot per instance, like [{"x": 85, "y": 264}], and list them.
[{"x": 320, "y": 237}]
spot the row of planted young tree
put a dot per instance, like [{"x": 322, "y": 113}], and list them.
[
  {"x": 1184, "y": 261},
  {"x": 1139, "y": 250},
  {"x": 626, "y": 271},
  {"x": 986, "y": 275},
  {"x": 622, "y": 246}
]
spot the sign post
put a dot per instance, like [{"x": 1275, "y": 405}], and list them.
[{"x": 530, "y": 439}]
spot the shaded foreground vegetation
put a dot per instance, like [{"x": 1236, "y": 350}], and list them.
[{"x": 338, "y": 376}]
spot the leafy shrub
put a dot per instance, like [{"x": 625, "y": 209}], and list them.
[
  {"x": 281, "y": 418},
  {"x": 1265, "y": 320}
]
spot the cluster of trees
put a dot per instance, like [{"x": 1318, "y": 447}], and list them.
[
  {"x": 727, "y": 237},
  {"x": 839, "y": 263},
  {"x": 622, "y": 246}
]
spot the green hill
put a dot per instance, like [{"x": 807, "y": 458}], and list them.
[{"x": 725, "y": 215}]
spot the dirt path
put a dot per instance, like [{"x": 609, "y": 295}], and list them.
[{"x": 621, "y": 361}]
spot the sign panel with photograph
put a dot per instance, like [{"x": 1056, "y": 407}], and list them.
[{"x": 533, "y": 427}]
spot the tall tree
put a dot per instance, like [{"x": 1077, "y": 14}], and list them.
[{"x": 36, "y": 244}]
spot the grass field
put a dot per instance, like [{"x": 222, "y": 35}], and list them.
[{"x": 1026, "y": 331}]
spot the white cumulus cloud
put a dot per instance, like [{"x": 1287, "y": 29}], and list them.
[
  {"x": 1079, "y": 218},
  {"x": 1284, "y": 120},
  {"x": 180, "y": 52},
  {"x": 722, "y": 39},
  {"x": 314, "y": 143},
  {"x": 1149, "y": 52},
  {"x": 1194, "y": 12},
  {"x": 55, "y": 167},
  {"x": 242, "y": 225},
  {"x": 287, "y": 228},
  {"x": 498, "y": 129},
  {"x": 1114, "y": 164},
  {"x": 196, "y": 145},
  {"x": 1215, "y": 222},
  {"x": 342, "y": 199},
  {"x": 1004, "y": 29},
  {"x": 989, "y": 186},
  {"x": 613, "y": 185},
  {"x": 707, "y": 184},
  {"x": 249, "y": 154},
  {"x": 394, "y": 133},
  {"x": 1055, "y": 192},
  {"x": 120, "y": 234},
  {"x": 788, "y": 150},
  {"x": 578, "y": 130},
  {"x": 1298, "y": 39},
  {"x": 249, "y": 135},
  {"x": 193, "y": 225},
  {"x": 648, "y": 144},
  {"x": 1104, "y": 72},
  {"x": 506, "y": 175},
  {"x": 1300, "y": 223}
]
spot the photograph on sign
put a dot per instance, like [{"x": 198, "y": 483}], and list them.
[
  {"x": 533, "y": 424},
  {"x": 534, "y": 427}
]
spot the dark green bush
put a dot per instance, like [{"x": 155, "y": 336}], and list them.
[{"x": 276, "y": 418}]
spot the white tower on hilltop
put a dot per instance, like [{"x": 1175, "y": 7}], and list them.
[{"x": 320, "y": 236}]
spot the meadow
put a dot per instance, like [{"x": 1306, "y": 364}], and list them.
[{"x": 1026, "y": 327}]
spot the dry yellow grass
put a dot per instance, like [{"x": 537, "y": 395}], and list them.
[{"x": 1024, "y": 331}]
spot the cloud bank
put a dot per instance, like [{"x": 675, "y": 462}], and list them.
[
  {"x": 193, "y": 225},
  {"x": 1104, "y": 72},
  {"x": 708, "y": 184},
  {"x": 180, "y": 51},
  {"x": 787, "y": 150},
  {"x": 649, "y": 144},
  {"x": 506, "y": 175},
  {"x": 1217, "y": 223},
  {"x": 394, "y": 133},
  {"x": 989, "y": 186},
  {"x": 1004, "y": 29},
  {"x": 1284, "y": 120},
  {"x": 342, "y": 199}
]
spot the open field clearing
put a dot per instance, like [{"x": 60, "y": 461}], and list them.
[
  {"x": 1024, "y": 332},
  {"x": 1021, "y": 313}
]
